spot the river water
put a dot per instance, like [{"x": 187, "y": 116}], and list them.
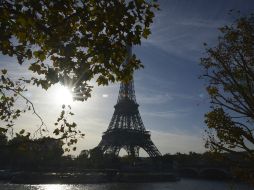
[{"x": 183, "y": 184}]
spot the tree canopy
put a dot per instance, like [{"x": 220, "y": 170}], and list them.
[
  {"x": 69, "y": 42},
  {"x": 73, "y": 41},
  {"x": 229, "y": 72}
]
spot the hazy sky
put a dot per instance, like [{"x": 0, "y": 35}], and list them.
[{"x": 172, "y": 99}]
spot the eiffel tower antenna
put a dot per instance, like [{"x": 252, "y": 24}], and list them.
[{"x": 126, "y": 129}]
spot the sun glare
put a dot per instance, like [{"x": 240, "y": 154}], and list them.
[
  {"x": 53, "y": 187},
  {"x": 63, "y": 95}
]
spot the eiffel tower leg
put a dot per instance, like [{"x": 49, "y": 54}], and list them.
[
  {"x": 136, "y": 149},
  {"x": 111, "y": 150},
  {"x": 130, "y": 151},
  {"x": 151, "y": 149},
  {"x": 116, "y": 151},
  {"x": 102, "y": 146},
  {"x": 133, "y": 150}
]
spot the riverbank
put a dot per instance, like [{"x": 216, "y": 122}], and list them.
[{"x": 85, "y": 177}]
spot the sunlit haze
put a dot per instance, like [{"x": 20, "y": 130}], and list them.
[{"x": 63, "y": 95}]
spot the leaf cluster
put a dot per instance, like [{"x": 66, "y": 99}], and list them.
[
  {"x": 66, "y": 130},
  {"x": 229, "y": 68},
  {"x": 10, "y": 92},
  {"x": 231, "y": 136}
]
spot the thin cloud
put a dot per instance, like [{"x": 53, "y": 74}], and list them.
[
  {"x": 167, "y": 114},
  {"x": 154, "y": 99}
]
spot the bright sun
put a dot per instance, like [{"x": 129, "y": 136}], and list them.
[{"x": 63, "y": 95}]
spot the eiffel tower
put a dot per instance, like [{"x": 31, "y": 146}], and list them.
[{"x": 126, "y": 129}]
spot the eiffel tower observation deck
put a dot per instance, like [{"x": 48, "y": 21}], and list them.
[{"x": 126, "y": 129}]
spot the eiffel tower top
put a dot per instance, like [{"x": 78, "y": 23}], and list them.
[
  {"x": 126, "y": 108},
  {"x": 126, "y": 90}
]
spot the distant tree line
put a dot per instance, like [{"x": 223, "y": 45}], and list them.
[
  {"x": 47, "y": 154},
  {"x": 22, "y": 152}
]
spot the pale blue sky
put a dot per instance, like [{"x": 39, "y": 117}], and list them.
[{"x": 172, "y": 99}]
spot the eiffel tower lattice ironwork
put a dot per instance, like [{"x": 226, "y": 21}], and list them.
[{"x": 126, "y": 129}]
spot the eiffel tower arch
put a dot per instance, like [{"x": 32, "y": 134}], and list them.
[{"x": 126, "y": 129}]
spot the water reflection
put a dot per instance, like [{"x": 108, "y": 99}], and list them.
[
  {"x": 112, "y": 186},
  {"x": 53, "y": 187},
  {"x": 186, "y": 184}
]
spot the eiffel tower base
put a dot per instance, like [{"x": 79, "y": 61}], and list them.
[{"x": 130, "y": 140}]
